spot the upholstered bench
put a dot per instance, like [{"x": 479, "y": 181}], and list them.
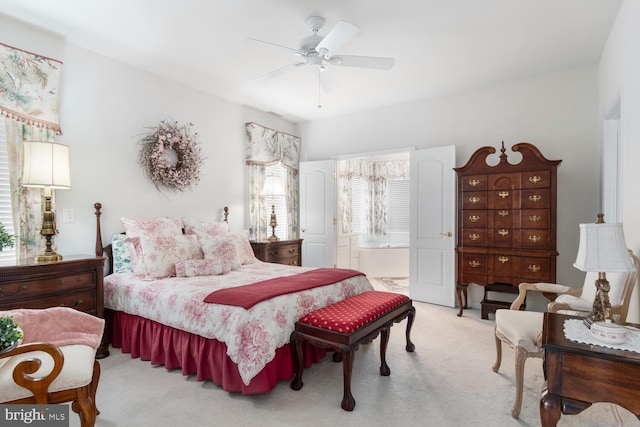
[{"x": 343, "y": 326}]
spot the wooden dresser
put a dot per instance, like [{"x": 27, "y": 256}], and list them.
[
  {"x": 287, "y": 252},
  {"x": 506, "y": 223},
  {"x": 76, "y": 282}
]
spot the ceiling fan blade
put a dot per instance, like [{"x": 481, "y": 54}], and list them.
[
  {"x": 327, "y": 80},
  {"x": 279, "y": 71},
  {"x": 296, "y": 51},
  {"x": 339, "y": 35},
  {"x": 375, "y": 62}
]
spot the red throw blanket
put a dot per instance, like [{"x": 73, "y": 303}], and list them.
[{"x": 249, "y": 295}]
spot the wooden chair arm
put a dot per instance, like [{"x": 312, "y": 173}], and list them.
[
  {"x": 551, "y": 288},
  {"x": 24, "y": 370}
]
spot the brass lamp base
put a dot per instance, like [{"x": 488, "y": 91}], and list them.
[
  {"x": 601, "y": 306},
  {"x": 45, "y": 257},
  {"x": 48, "y": 231},
  {"x": 273, "y": 224}
]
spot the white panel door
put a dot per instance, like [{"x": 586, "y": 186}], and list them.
[
  {"x": 317, "y": 213},
  {"x": 432, "y": 227}
]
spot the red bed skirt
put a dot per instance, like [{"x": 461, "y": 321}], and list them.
[{"x": 207, "y": 358}]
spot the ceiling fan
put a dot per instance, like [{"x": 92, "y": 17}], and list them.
[{"x": 320, "y": 52}]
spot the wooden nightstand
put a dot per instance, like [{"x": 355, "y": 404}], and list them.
[
  {"x": 76, "y": 282},
  {"x": 287, "y": 252}
]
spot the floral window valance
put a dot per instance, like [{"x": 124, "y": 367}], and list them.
[
  {"x": 267, "y": 146},
  {"x": 29, "y": 88}
]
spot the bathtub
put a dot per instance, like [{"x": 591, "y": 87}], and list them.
[{"x": 384, "y": 259}]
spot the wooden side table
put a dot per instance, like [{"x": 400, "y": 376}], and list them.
[
  {"x": 287, "y": 252},
  {"x": 578, "y": 375},
  {"x": 76, "y": 282}
]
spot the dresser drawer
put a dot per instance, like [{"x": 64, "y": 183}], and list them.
[
  {"x": 474, "y": 200},
  {"x": 535, "y": 269},
  {"x": 503, "y": 218},
  {"x": 535, "y": 218},
  {"x": 534, "y": 239},
  {"x": 287, "y": 252},
  {"x": 475, "y": 237},
  {"x": 474, "y": 183},
  {"x": 536, "y": 199},
  {"x": 473, "y": 268},
  {"x": 504, "y": 199},
  {"x": 282, "y": 252},
  {"x": 46, "y": 286},
  {"x": 84, "y": 301},
  {"x": 539, "y": 179},
  {"x": 501, "y": 237},
  {"x": 474, "y": 218}
]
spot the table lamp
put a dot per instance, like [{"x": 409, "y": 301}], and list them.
[
  {"x": 273, "y": 187},
  {"x": 46, "y": 166},
  {"x": 602, "y": 249}
]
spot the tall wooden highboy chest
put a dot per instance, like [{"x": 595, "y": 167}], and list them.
[{"x": 506, "y": 223}]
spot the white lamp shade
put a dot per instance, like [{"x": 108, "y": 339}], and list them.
[
  {"x": 46, "y": 165},
  {"x": 272, "y": 186},
  {"x": 603, "y": 249}
]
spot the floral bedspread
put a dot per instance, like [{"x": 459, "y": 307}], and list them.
[{"x": 252, "y": 336}]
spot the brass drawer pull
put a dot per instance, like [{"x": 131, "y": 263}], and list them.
[
  {"x": 503, "y": 213},
  {"x": 535, "y": 198},
  {"x": 292, "y": 251},
  {"x": 503, "y": 232},
  {"x": 17, "y": 291},
  {"x": 474, "y": 182},
  {"x": 474, "y": 236},
  {"x": 535, "y": 218},
  {"x": 474, "y": 264},
  {"x": 535, "y": 179},
  {"x": 76, "y": 305},
  {"x": 60, "y": 281},
  {"x": 474, "y": 218},
  {"x": 534, "y": 238},
  {"x": 503, "y": 259},
  {"x": 503, "y": 194},
  {"x": 534, "y": 268},
  {"x": 79, "y": 279},
  {"x": 474, "y": 199}
]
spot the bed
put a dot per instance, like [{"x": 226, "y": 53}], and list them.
[{"x": 165, "y": 320}]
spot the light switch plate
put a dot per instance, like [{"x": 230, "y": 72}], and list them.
[{"x": 68, "y": 215}]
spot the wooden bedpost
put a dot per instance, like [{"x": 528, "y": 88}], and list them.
[
  {"x": 226, "y": 213},
  {"x": 99, "y": 247}
]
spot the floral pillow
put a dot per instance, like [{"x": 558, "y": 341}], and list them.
[
  {"x": 243, "y": 247},
  {"x": 152, "y": 227},
  {"x": 200, "y": 267},
  {"x": 121, "y": 253},
  {"x": 220, "y": 248},
  {"x": 156, "y": 256},
  {"x": 213, "y": 228}
]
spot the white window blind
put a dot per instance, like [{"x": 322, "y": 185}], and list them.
[
  {"x": 398, "y": 206},
  {"x": 6, "y": 213},
  {"x": 279, "y": 202},
  {"x": 358, "y": 200}
]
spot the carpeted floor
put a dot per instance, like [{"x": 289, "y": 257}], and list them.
[{"x": 447, "y": 381}]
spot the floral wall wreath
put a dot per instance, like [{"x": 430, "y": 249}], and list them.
[{"x": 171, "y": 157}]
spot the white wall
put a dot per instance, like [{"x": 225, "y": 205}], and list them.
[
  {"x": 620, "y": 80},
  {"x": 555, "y": 112},
  {"x": 105, "y": 107}
]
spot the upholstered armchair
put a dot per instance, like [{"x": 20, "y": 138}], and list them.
[
  {"x": 55, "y": 363},
  {"x": 522, "y": 330}
]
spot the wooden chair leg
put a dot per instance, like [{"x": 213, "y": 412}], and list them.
[
  {"x": 85, "y": 407},
  {"x": 520, "y": 358},
  {"x": 295, "y": 345},
  {"x": 496, "y": 366}
]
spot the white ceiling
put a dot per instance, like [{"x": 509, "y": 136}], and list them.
[{"x": 441, "y": 47}]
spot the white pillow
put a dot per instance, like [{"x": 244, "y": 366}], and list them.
[
  {"x": 220, "y": 248},
  {"x": 243, "y": 247},
  {"x": 152, "y": 227},
  {"x": 212, "y": 227},
  {"x": 158, "y": 255},
  {"x": 199, "y": 267}
]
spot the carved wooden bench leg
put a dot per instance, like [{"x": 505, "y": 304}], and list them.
[
  {"x": 297, "y": 355},
  {"x": 412, "y": 314},
  {"x": 348, "y": 402},
  {"x": 384, "y": 341}
]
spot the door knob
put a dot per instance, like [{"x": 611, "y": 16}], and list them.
[
  {"x": 447, "y": 234},
  {"x": 303, "y": 230}
]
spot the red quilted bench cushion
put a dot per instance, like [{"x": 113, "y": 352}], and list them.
[{"x": 351, "y": 314}]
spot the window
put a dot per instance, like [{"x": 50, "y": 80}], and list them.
[
  {"x": 6, "y": 213},
  {"x": 279, "y": 203},
  {"x": 398, "y": 206}
]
